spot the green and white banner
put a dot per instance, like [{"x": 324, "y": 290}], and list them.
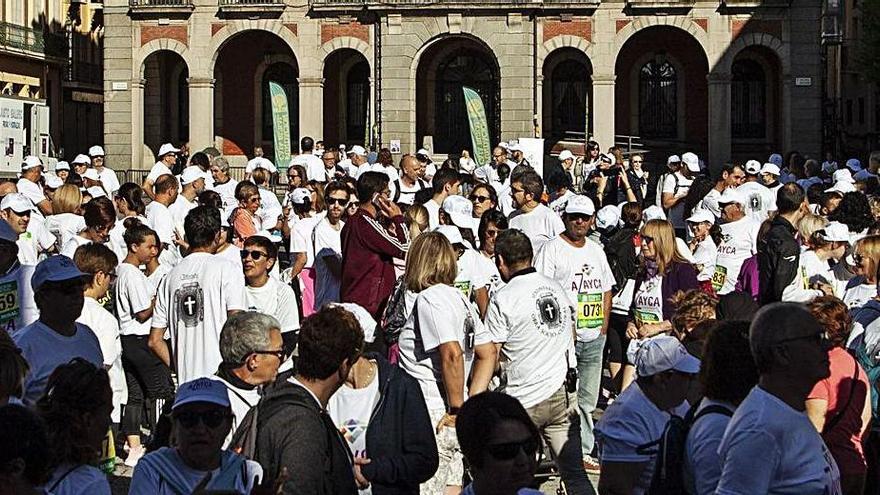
[
  {"x": 280, "y": 125},
  {"x": 478, "y": 125}
]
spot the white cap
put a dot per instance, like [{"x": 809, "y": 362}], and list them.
[
  {"x": 81, "y": 160},
  {"x": 753, "y": 167},
  {"x": 514, "y": 147},
  {"x": 503, "y": 144},
  {"x": 190, "y": 175},
  {"x": 835, "y": 232},
  {"x": 580, "y": 204},
  {"x": 451, "y": 233},
  {"x": 423, "y": 152},
  {"x": 701, "y": 215},
  {"x": 202, "y": 390},
  {"x": 300, "y": 195},
  {"x": 365, "y": 319},
  {"x": 96, "y": 151},
  {"x": 841, "y": 188},
  {"x": 16, "y": 202},
  {"x": 62, "y": 165},
  {"x": 30, "y": 162},
  {"x": 91, "y": 174},
  {"x": 854, "y": 164},
  {"x": 691, "y": 161},
  {"x": 166, "y": 149},
  {"x": 770, "y": 168},
  {"x": 842, "y": 175},
  {"x": 53, "y": 181},
  {"x": 731, "y": 195},
  {"x": 607, "y": 217},
  {"x": 653, "y": 212},
  {"x": 565, "y": 155},
  {"x": 673, "y": 159},
  {"x": 96, "y": 191},
  {"x": 460, "y": 210},
  {"x": 357, "y": 150},
  {"x": 664, "y": 353}
]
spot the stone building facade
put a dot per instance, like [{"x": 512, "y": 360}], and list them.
[{"x": 727, "y": 78}]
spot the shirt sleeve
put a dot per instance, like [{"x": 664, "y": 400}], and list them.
[
  {"x": 748, "y": 461},
  {"x": 137, "y": 291},
  {"x": 438, "y": 318},
  {"x": 668, "y": 184},
  {"x": 821, "y": 390},
  {"x": 288, "y": 315},
  {"x": 301, "y": 238},
  {"x": 496, "y": 322},
  {"x": 32, "y": 191},
  {"x": 233, "y": 288},
  {"x": 160, "y": 312},
  {"x": 544, "y": 261}
]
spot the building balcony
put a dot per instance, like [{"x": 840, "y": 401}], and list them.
[
  {"x": 328, "y": 5},
  {"x": 753, "y": 4},
  {"x": 264, "y": 7},
  {"x": 660, "y": 4},
  {"x": 31, "y": 42},
  {"x": 169, "y": 7}
]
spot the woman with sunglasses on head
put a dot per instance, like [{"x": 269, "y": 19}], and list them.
[{"x": 500, "y": 443}]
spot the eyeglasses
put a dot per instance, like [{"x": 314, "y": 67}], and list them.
[
  {"x": 821, "y": 338},
  {"x": 337, "y": 201},
  {"x": 497, "y": 156},
  {"x": 647, "y": 239},
  {"x": 279, "y": 353},
  {"x": 507, "y": 451},
  {"x": 480, "y": 199},
  {"x": 255, "y": 255},
  {"x": 253, "y": 199},
  {"x": 637, "y": 161},
  {"x": 514, "y": 190},
  {"x": 578, "y": 217},
  {"x": 211, "y": 419}
]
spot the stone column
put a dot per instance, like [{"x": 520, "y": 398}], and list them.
[
  {"x": 719, "y": 120},
  {"x": 201, "y": 112},
  {"x": 137, "y": 124},
  {"x": 539, "y": 105},
  {"x": 311, "y": 108},
  {"x": 603, "y": 109}
]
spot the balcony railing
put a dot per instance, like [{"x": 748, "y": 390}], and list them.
[
  {"x": 13, "y": 36},
  {"x": 159, "y": 3},
  {"x": 486, "y": 5},
  {"x": 234, "y": 3}
]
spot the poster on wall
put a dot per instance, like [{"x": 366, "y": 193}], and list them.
[{"x": 533, "y": 151}]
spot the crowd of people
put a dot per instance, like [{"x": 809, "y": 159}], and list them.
[{"x": 345, "y": 324}]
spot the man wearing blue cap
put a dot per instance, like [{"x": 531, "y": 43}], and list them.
[{"x": 56, "y": 337}]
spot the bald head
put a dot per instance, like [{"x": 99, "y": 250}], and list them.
[
  {"x": 7, "y": 187},
  {"x": 776, "y": 324}
]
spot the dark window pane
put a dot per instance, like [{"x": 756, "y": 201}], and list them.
[
  {"x": 748, "y": 100},
  {"x": 658, "y": 100}
]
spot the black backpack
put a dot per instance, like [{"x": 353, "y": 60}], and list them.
[
  {"x": 394, "y": 316},
  {"x": 668, "y": 477}
]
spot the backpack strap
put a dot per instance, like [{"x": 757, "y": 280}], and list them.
[
  {"x": 63, "y": 476},
  {"x": 711, "y": 409},
  {"x": 397, "y": 190}
]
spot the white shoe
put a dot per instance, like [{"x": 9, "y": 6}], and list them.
[{"x": 134, "y": 455}]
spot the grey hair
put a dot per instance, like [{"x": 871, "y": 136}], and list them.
[
  {"x": 220, "y": 163},
  {"x": 243, "y": 333}
]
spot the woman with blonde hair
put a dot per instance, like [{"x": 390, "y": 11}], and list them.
[
  {"x": 66, "y": 220},
  {"x": 808, "y": 225},
  {"x": 442, "y": 340},
  {"x": 416, "y": 219},
  {"x": 866, "y": 259}
]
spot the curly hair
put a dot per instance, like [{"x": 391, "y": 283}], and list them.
[
  {"x": 833, "y": 316},
  {"x": 13, "y": 367},
  {"x": 73, "y": 391},
  {"x": 854, "y": 211},
  {"x": 728, "y": 371},
  {"x": 327, "y": 338},
  {"x": 691, "y": 308}
]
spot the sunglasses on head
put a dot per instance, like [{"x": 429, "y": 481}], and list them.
[
  {"x": 211, "y": 419},
  {"x": 255, "y": 255},
  {"x": 337, "y": 201},
  {"x": 509, "y": 450}
]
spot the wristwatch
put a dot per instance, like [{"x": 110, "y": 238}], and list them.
[{"x": 453, "y": 411}]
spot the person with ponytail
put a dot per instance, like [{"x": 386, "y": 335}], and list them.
[{"x": 129, "y": 203}]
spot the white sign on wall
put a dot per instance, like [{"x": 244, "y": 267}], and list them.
[{"x": 533, "y": 151}]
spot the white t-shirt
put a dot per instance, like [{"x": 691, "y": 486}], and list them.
[
  {"x": 648, "y": 301},
  {"x": 66, "y": 225},
  {"x": 407, "y": 193},
  {"x": 704, "y": 256},
  {"x": 45, "y": 349},
  {"x": 328, "y": 242},
  {"x": 241, "y": 401},
  {"x": 106, "y": 328},
  {"x": 37, "y": 228},
  {"x": 69, "y": 247},
  {"x": 585, "y": 275},
  {"x": 350, "y": 408},
  {"x": 677, "y": 185},
  {"x": 768, "y": 447},
  {"x": 629, "y": 423},
  {"x": 858, "y": 292},
  {"x": 17, "y": 306},
  {"x": 134, "y": 293},
  {"x": 760, "y": 201},
  {"x": 532, "y": 318},
  {"x": 440, "y": 315},
  {"x": 740, "y": 243},
  {"x": 301, "y": 240},
  {"x": 276, "y": 299},
  {"x": 540, "y": 224},
  {"x": 109, "y": 181},
  {"x": 433, "y": 213},
  {"x": 160, "y": 219},
  {"x": 148, "y": 481},
  {"x": 314, "y": 166},
  {"x": 558, "y": 204},
  {"x": 472, "y": 274},
  {"x": 192, "y": 305},
  {"x": 32, "y": 190},
  {"x": 227, "y": 194},
  {"x": 159, "y": 169},
  {"x": 84, "y": 480},
  {"x": 270, "y": 208},
  {"x": 233, "y": 254},
  {"x": 28, "y": 249},
  {"x": 178, "y": 210},
  {"x": 810, "y": 269},
  {"x": 702, "y": 466}
]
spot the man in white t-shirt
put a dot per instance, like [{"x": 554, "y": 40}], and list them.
[
  {"x": 770, "y": 445},
  {"x": 313, "y": 164},
  {"x": 760, "y": 201},
  {"x": 29, "y": 184},
  {"x": 675, "y": 189},
  {"x": 167, "y": 159},
  {"x": 327, "y": 236},
  {"x": 193, "y": 182},
  {"x": 258, "y": 161},
  {"x": 581, "y": 268},
  {"x": 446, "y": 183},
  {"x": 638, "y": 417},
  {"x": 108, "y": 178},
  {"x": 739, "y": 240},
  {"x": 404, "y": 189},
  {"x": 224, "y": 185},
  {"x": 732, "y": 175},
  {"x": 195, "y": 299},
  {"x": 158, "y": 214},
  {"x": 55, "y": 338},
  {"x": 531, "y": 321},
  {"x": 532, "y": 217},
  {"x": 266, "y": 294}
]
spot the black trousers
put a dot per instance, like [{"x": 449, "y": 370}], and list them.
[{"x": 148, "y": 379}]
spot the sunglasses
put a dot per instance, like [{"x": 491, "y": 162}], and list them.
[
  {"x": 480, "y": 199},
  {"x": 648, "y": 239},
  {"x": 507, "y": 451},
  {"x": 211, "y": 419},
  {"x": 280, "y": 354},
  {"x": 337, "y": 201},
  {"x": 255, "y": 255},
  {"x": 819, "y": 337}
]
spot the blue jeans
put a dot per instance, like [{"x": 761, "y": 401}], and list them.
[{"x": 589, "y": 365}]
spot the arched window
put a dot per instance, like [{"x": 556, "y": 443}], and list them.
[
  {"x": 462, "y": 68},
  {"x": 569, "y": 94},
  {"x": 285, "y": 75},
  {"x": 748, "y": 100},
  {"x": 658, "y": 110}
]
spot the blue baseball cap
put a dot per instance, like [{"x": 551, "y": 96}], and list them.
[
  {"x": 202, "y": 390},
  {"x": 56, "y": 268}
]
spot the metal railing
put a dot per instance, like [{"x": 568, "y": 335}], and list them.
[
  {"x": 232, "y": 3},
  {"x": 159, "y": 3},
  {"x": 31, "y": 40}
]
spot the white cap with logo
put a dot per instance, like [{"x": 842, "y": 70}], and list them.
[
  {"x": 96, "y": 151},
  {"x": 460, "y": 210},
  {"x": 31, "y": 162},
  {"x": 580, "y": 204}
]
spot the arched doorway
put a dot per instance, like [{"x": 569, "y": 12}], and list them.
[
  {"x": 346, "y": 97},
  {"x": 166, "y": 100},
  {"x": 567, "y": 95},
  {"x": 245, "y": 65},
  {"x": 444, "y": 69},
  {"x": 661, "y": 91},
  {"x": 755, "y": 89}
]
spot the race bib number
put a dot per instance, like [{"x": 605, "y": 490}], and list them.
[
  {"x": 643, "y": 317},
  {"x": 464, "y": 287},
  {"x": 591, "y": 312},
  {"x": 9, "y": 304},
  {"x": 719, "y": 277}
]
